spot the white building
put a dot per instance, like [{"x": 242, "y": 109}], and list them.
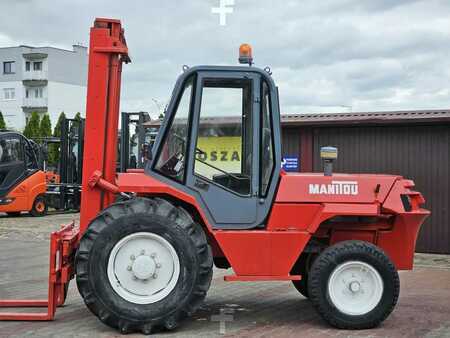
[{"x": 43, "y": 79}]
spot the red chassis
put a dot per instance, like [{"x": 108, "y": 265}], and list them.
[
  {"x": 271, "y": 253},
  {"x": 305, "y": 207}
]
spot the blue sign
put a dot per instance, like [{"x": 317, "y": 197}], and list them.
[{"x": 290, "y": 163}]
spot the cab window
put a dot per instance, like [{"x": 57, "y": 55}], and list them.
[
  {"x": 267, "y": 163},
  {"x": 172, "y": 157},
  {"x": 10, "y": 150},
  {"x": 224, "y": 140}
]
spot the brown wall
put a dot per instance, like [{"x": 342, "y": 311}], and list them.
[
  {"x": 290, "y": 140},
  {"x": 421, "y": 153}
]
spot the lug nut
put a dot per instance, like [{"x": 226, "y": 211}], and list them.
[
  {"x": 129, "y": 267},
  {"x": 158, "y": 265},
  {"x": 155, "y": 275},
  {"x": 153, "y": 255},
  {"x": 142, "y": 252},
  {"x": 132, "y": 257}
]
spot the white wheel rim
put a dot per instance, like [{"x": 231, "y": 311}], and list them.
[
  {"x": 355, "y": 288},
  {"x": 143, "y": 268}
]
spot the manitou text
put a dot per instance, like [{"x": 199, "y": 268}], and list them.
[{"x": 335, "y": 188}]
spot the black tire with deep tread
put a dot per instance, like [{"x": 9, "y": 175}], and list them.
[
  {"x": 300, "y": 268},
  {"x": 171, "y": 222},
  {"x": 36, "y": 213},
  {"x": 342, "y": 252}
]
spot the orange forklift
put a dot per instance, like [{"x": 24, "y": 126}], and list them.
[
  {"x": 28, "y": 185},
  {"x": 22, "y": 182}
]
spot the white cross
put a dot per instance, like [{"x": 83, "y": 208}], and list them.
[
  {"x": 222, "y": 318},
  {"x": 223, "y": 10}
]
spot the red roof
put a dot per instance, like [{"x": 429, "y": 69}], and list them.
[{"x": 383, "y": 117}]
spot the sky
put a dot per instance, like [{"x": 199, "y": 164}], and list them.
[{"x": 326, "y": 56}]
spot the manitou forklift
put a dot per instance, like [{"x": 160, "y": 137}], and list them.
[{"x": 146, "y": 262}]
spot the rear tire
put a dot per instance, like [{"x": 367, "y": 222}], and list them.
[
  {"x": 302, "y": 267},
  {"x": 39, "y": 207},
  {"x": 120, "y": 290},
  {"x": 353, "y": 285}
]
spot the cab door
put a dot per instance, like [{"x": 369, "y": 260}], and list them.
[
  {"x": 220, "y": 143},
  {"x": 224, "y": 147},
  {"x": 12, "y": 162}
]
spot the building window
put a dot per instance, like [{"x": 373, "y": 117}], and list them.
[
  {"x": 9, "y": 94},
  {"x": 27, "y": 93},
  {"x": 9, "y": 67},
  {"x": 37, "y": 65},
  {"x": 27, "y": 66},
  {"x": 38, "y": 93}
]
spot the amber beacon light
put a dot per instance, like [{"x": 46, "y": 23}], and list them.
[{"x": 245, "y": 54}]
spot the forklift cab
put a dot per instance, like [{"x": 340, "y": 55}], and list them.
[
  {"x": 17, "y": 160},
  {"x": 220, "y": 142}
]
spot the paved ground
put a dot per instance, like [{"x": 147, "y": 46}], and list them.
[{"x": 272, "y": 309}]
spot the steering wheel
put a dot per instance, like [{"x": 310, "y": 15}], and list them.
[{"x": 175, "y": 164}]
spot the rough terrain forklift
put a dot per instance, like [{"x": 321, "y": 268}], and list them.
[{"x": 145, "y": 262}]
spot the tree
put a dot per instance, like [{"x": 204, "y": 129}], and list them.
[
  {"x": 53, "y": 149},
  {"x": 57, "y": 130},
  {"x": 2, "y": 121},
  {"x": 45, "y": 127},
  {"x": 32, "y": 127},
  {"x": 76, "y": 123}
]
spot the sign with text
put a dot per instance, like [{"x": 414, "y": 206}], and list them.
[{"x": 290, "y": 163}]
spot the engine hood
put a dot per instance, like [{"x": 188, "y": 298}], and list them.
[{"x": 339, "y": 188}]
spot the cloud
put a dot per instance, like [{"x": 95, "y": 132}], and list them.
[{"x": 370, "y": 55}]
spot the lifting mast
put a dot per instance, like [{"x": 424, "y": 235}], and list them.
[{"x": 107, "y": 51}]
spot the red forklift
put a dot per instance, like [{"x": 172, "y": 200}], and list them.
[{"x": 145, "y": 263}]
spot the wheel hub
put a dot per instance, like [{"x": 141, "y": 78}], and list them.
[
  {"x": 355, "y": 288},
  {"x": 143, "y": 268}
]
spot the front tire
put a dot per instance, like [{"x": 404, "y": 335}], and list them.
[
  {"x": 39, "y": 207},
  {"x": 143, "y": 264},
  {"x": 353, "y": 285}
]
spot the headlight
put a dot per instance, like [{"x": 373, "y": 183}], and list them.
[{"x": 6, "y": 200}]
